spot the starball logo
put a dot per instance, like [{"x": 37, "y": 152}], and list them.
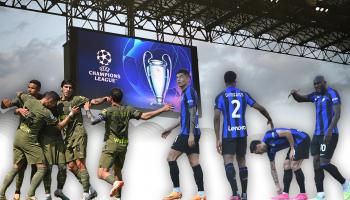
[{"x": 104, "y": 58}]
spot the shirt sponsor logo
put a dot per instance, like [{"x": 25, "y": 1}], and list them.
[{"x": 236, "y": 128}]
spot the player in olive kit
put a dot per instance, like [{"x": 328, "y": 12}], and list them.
[
  {"x": 188, "y": 139},
  {"x": 33, "y": 89},
  {"x": 232, "y": 103},
  {"x": 324, "y": 141},
  {"x": 26, "y": 146},
  {"x": 298, "y": 143},
  {"x": 75, "y": 136},
  {"x": 52, "y": 143},
  {"x": 117, "y": 118}
]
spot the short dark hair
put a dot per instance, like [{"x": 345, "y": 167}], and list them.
[
  {"x": 52, "y": 95},
  {"x": 230, "y": 77},
  {"x": 117, "y": 95},
  {"x": 183, "y": 71},
  {"x": 67, "y": 82},
  {"x": 319, "y": 78},
  {"x": 36, "y": 82},
  {"x": 253, "y": 145}
]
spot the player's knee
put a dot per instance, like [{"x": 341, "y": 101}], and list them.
[
  {"x": 71, "y": 166},
  {"x": 62, "y": 167},
  {"x": 194, "y": 162},
  {"x": 100, "y": 173},
  {"x": 295, "y": 167},
  {"x": 241, "y": 161},
  {"x": 324, "y": 163},
  {"x": 287, "y": 165},
  {"x": 171, "y": 157}
]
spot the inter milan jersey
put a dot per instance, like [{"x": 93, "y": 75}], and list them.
[
  {"x": 232, "y": 102},
  {"x": 189, "y": 99},
  {"x": 324, "y": 109},
  {"x": 276, "y": 143}
]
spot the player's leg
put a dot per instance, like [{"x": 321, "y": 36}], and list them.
[
  {"x": 243, "y": 169},
  {"x": 198, "y": 175},
  {"x": 287, "y": 175},
  {"x": 173, "y": 155},
  {"x": 327, "y": 151},
  {"x": 319, "y": 173},
  {"x": 19, "y": 181},
  {"x": 299, "y": 175},
  {"x": 61, "y": 180},
  {"x": 301, "y": 153},
  {"x": 37, "y": 178},
  {"x": 60, "y": 161},
  {"x": 19, "y": 160},
  {"x": 112, "y": 155},
  {"x": 229, "y": 149},
  {"x": 47, "y": 182}
]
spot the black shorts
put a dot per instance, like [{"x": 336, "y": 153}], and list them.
[
  {"x": 234, "y": 146},
  {"x": 181, "y": 144},
  {"x": 301, "y": 151},
  {"x": 318, "y": 147}
]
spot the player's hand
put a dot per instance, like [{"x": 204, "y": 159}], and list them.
[
  {"x": 6, "y": 103},
  {"x": 327, "y": 138},
  {"x": 167, "y": 107},
  {"x": 191, "y": 141},
  {"x": 279, "y": 189},
  {"x": 292, "y": 92},
  {"x": 269, "y": 122},
  {"x": 165, "y": 134},
  {"x": 75, "y": 110},
  {"x": 292, "y": 154},
  {"x": 87, "y": 105},
  {"x": 22, "y": 111},
  {"x": 108, "y": 99},
  {"x": 219, "y": 146}
]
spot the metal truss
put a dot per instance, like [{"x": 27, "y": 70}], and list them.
[{"x": 287, "y": 28}]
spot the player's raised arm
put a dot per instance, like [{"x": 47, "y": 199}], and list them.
[
  {"x": 264, "y": 112},
  {"x": 151, "y": 114},
  {"x": 298, "y": 97}
]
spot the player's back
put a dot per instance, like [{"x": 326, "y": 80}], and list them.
[{"x": 232, "y": 102}]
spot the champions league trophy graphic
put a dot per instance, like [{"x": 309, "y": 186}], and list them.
[{"x": 158, "y": 75}]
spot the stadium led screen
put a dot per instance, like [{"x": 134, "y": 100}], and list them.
[{"x": 144, "y": 69}]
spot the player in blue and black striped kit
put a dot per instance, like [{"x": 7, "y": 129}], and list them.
[
  {"x": 327, "y": 102},
  {"x": 232, "y": 103},
  {"x": 278, "y": 139},
  {"x": 188, "y": 139}
]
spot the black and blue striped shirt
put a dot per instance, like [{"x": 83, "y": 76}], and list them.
[
  {"x": 324, "y": 110},
  {"x": 275, "y": 143},
  {"x": 232, "y": 103},
  {"x": 189, "y": 99}
]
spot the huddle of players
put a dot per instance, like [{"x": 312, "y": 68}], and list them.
[{"x": 41, "y": 116}]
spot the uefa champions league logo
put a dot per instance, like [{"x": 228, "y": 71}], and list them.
[{"x": 104, "y": 58}]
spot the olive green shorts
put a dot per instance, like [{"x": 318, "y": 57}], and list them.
[
  {"x": 54, "y": 152},
  {"x": 30, "y": 152},
  {"x": 78, "y": 150},
  {"x": 113, "y": 154}
]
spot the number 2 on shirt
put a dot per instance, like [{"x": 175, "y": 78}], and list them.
[{"x": 236, "y": 105}]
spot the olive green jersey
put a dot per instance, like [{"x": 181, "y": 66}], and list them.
[
  {"x": 75, "y": 128},
  {"x": 38, "y": 116},
  {"x": 117, "y": 121}
]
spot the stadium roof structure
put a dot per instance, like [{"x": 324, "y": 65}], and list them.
[{"x": 316, "y": 29}]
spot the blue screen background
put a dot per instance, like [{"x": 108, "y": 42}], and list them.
[{"x": 127, "y": 64}]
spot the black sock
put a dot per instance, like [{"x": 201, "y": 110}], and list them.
[
  {"x": 198, "y": 177},
  {"x": 319, "y": 177},
  {"x": 287, "y": 179},
  {"x": 61, "y": 176},
  {"x": 231, "y": 177},
  {"x": 300, "y": 179},
  {"x": 333, "y": 170},
  {"x": 47, "y": 180},
  {"x": 243, "y": 176},
  {"x": 174, "y": 173}
]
